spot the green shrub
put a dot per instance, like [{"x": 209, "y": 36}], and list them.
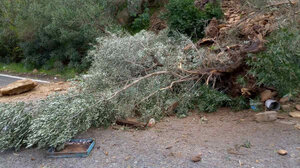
[
  {"x": 142, "y": 22},
  {"x": 239, "y": 103},
  {"x": 10, "y": 50},
  {"x": 56, "y": 33},
  {"x": 279, "y": 65},
  {"x": 182, "y": 15},
  {"x": 209, "y": 100}
]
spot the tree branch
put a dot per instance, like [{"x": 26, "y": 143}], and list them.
[{"x": 137, "y": 81}]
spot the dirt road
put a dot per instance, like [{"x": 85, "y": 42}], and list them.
[{"x": 226, "y": 140}]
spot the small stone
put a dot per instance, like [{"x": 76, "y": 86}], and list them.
[
  {"x": 295, "y": 114},
  {"x": 16, "y": 154},
  {"x": 282, "y": 152},
  {"x": 169, "y": 147},
  {"x": 197, "y": 158},
  {"x": 298, "y": 107},
  {"x": 58, "y": 89},
  {"x": 286, "y": 122},
  {"x": 203, "y": 118},
  {"x": 297, "y": 126},
  {"x": 266, "y": 116},
  {"x": 284, "y": 99},
  {"x": 127, "y": 158},
  {"x": 286, "y": 107},
  {"x": 32, "y": 158}
]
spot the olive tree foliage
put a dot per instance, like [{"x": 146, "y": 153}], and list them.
[
  {"x": 139, "y": 74},
  {"x": 61, "y": 117},
  {"x": 15, "y": 121}
]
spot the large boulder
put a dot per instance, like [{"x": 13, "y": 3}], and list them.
[{"x": 18, "y": 87}]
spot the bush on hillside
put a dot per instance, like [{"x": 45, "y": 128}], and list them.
[
  {"x": 141, "y": 22},
  {"x": 182, "y": 15},
  {"x": 54, "y": 33}
]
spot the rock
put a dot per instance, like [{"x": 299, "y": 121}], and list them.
[
  {"x": 58, "y": 89},
  {"x": 203, "y": 118},
  {"x": 35, "y": 71},
  {"x": 151, "y": 122},
  {"x": 286, "y": 122},
  {"x": 284, "y": 99},
  {"x": 127, "y": 158},
  {"x": 265, "y": 95},
  {"x": 282, "y": 152},
  {"x": 18, "y": 87},
  {"x": 169, "y": 147},
  {"x": 297, "y": 126},
  {"x": 295, "y": 114},
  {"x": 298, "y": 107},
  {"x": 266, "y": 116},
  {"x": 197, "y": 158},
  {"x": 286, "y": 107}
]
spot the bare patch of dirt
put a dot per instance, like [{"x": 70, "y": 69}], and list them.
[{"x": 39, "y": 92}]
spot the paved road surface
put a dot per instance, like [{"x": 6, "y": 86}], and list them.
[
  {"x": 173, "y": 141},
  {"x": 7, "y": 79}
]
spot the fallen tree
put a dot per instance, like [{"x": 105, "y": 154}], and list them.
[{"x": 152, "y": 76}]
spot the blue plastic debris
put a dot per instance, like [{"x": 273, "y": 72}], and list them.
[{"x": 74, "y": 148}]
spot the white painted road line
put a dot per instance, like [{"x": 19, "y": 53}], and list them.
[{"x": 17, "y": 77}]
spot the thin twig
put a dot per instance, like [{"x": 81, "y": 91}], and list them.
[{"x": 179, "y": 81}]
